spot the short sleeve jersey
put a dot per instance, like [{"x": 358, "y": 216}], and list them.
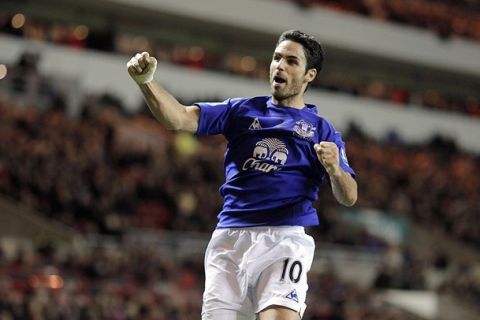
[{"x": 272, "y": 171}]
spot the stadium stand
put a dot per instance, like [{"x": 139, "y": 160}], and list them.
[
  {"x": 445, "y": 18},
  {"x": 94, "y": 171},
  {"x": 95, "y": 163},
  {"x": 377, "y": 84},
  {"x": 125, "y": 282},
  {"x": 83, "y": 188}
]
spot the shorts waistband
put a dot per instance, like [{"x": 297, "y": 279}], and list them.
[{"x": 267, "y": 229}]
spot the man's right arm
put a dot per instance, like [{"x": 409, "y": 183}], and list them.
[{"x": 165, "y": 107}]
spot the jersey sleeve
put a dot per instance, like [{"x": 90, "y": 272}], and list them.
[
  {"x": 342, "y": 153},
  {"x": 328, "y": 133},
  {"x": 214, "y": 117}
]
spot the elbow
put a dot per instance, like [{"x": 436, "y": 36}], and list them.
[
  {"x": 184, "y": 120},
  {"x": 166, "y": 124},
  {"x": 170, "y": 127},
  {"x": 180, "y": 126},
  {"x": 351, "y": 195},
  {"x": 172, "y": 124},
  {"x": 350, "y": 199},
  {"x": 350, "y": 202}
]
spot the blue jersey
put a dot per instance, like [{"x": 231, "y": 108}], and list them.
[{"x": 272, "y": 171}]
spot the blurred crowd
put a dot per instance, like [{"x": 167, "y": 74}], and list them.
[
  {"x": 99, "y": 283},
  {"x": 105, "y": 171},
  {"x": 232, "y": 62},
  {"x": 445, "y": 17},
  {"x": 144, "y": 282},
  {"x": 397, "y": 175}
]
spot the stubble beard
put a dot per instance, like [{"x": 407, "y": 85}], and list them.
[
  {"x": 282, "y": 96},
  {"x": 287, "y": 94}
]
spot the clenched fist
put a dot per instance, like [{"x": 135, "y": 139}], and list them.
[
  {"x": 327, "y": 153},
  {"x": 142, "y": 67}
]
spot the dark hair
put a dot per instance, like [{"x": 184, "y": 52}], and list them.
[{"x": 311, "y": 47}]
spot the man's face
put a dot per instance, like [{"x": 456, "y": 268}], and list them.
[{"x": 287, "y": 71}]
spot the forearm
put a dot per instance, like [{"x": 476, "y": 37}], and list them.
[
  {"x": 166, "y": 109},
  {"x": 344, "y": 188}
]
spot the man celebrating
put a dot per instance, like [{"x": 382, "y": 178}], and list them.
[{"x": 279, "y": 153}]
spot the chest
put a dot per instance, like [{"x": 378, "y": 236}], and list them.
[{"x": 300, "y": 127}]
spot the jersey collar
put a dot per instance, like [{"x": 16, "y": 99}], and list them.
[{"x": 308, "y": 107}]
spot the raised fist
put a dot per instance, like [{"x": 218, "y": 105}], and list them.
[
  {"x": 327, "y": 153},
  {"x": 142, "y": 67}
]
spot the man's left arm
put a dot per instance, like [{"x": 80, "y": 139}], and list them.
[{"x": 344, "y": 187}]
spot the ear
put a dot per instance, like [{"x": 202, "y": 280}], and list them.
[{"x": 310, "y": 75}]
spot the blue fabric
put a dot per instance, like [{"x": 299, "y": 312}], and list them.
[{"x": 272, "y": 171}]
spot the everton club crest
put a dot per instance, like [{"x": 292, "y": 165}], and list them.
[{"x": 304, "y": 129}]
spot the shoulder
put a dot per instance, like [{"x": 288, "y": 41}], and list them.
[
  {"x": 325, "y": 128},
  {"x": 252, "y": 101},
  {"x": 321, "y": 122}
]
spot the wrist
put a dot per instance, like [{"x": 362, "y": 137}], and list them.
[
  {"x": 335, "y": 173},
  {"x": 144, "y": 84},
  {"x": 144, "y": 81}
]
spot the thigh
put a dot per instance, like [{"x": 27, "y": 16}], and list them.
[
  {"x": 226, "y": 287},
  {"x": 278, "y": 313},
  {"x": 282, "y": 286},
  {"x": 224, "y": 314}
]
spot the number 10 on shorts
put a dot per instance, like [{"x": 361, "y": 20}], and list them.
[{"x": 292, "y": 270}]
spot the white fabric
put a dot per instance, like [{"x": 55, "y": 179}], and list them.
[
  {"x": 142, "y": 75},
  {"x": 244, "y": 269}
]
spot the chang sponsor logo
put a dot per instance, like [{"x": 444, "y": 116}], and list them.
[{"x": 269, "y": 154}]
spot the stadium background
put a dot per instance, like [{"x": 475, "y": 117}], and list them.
[{"x": 104, "y": 215}]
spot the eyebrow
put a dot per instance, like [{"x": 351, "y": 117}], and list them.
[{"x": 276, "y": 53}]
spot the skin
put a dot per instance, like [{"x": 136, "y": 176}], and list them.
[
  {"x": 278, "y": 313},
  {"x": 166, "y": 109},
  {"x": 288, "y": 63}
]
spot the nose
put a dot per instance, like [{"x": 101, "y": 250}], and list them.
[{"x": 281, "y": 64}]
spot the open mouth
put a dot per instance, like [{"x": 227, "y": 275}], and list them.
[{"x": 279, "y": 80}]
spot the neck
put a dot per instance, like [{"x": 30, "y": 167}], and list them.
[{"x": 293, "y": 102}]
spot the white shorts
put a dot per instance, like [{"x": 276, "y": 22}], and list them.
[{"x": 250, "y": 269}]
